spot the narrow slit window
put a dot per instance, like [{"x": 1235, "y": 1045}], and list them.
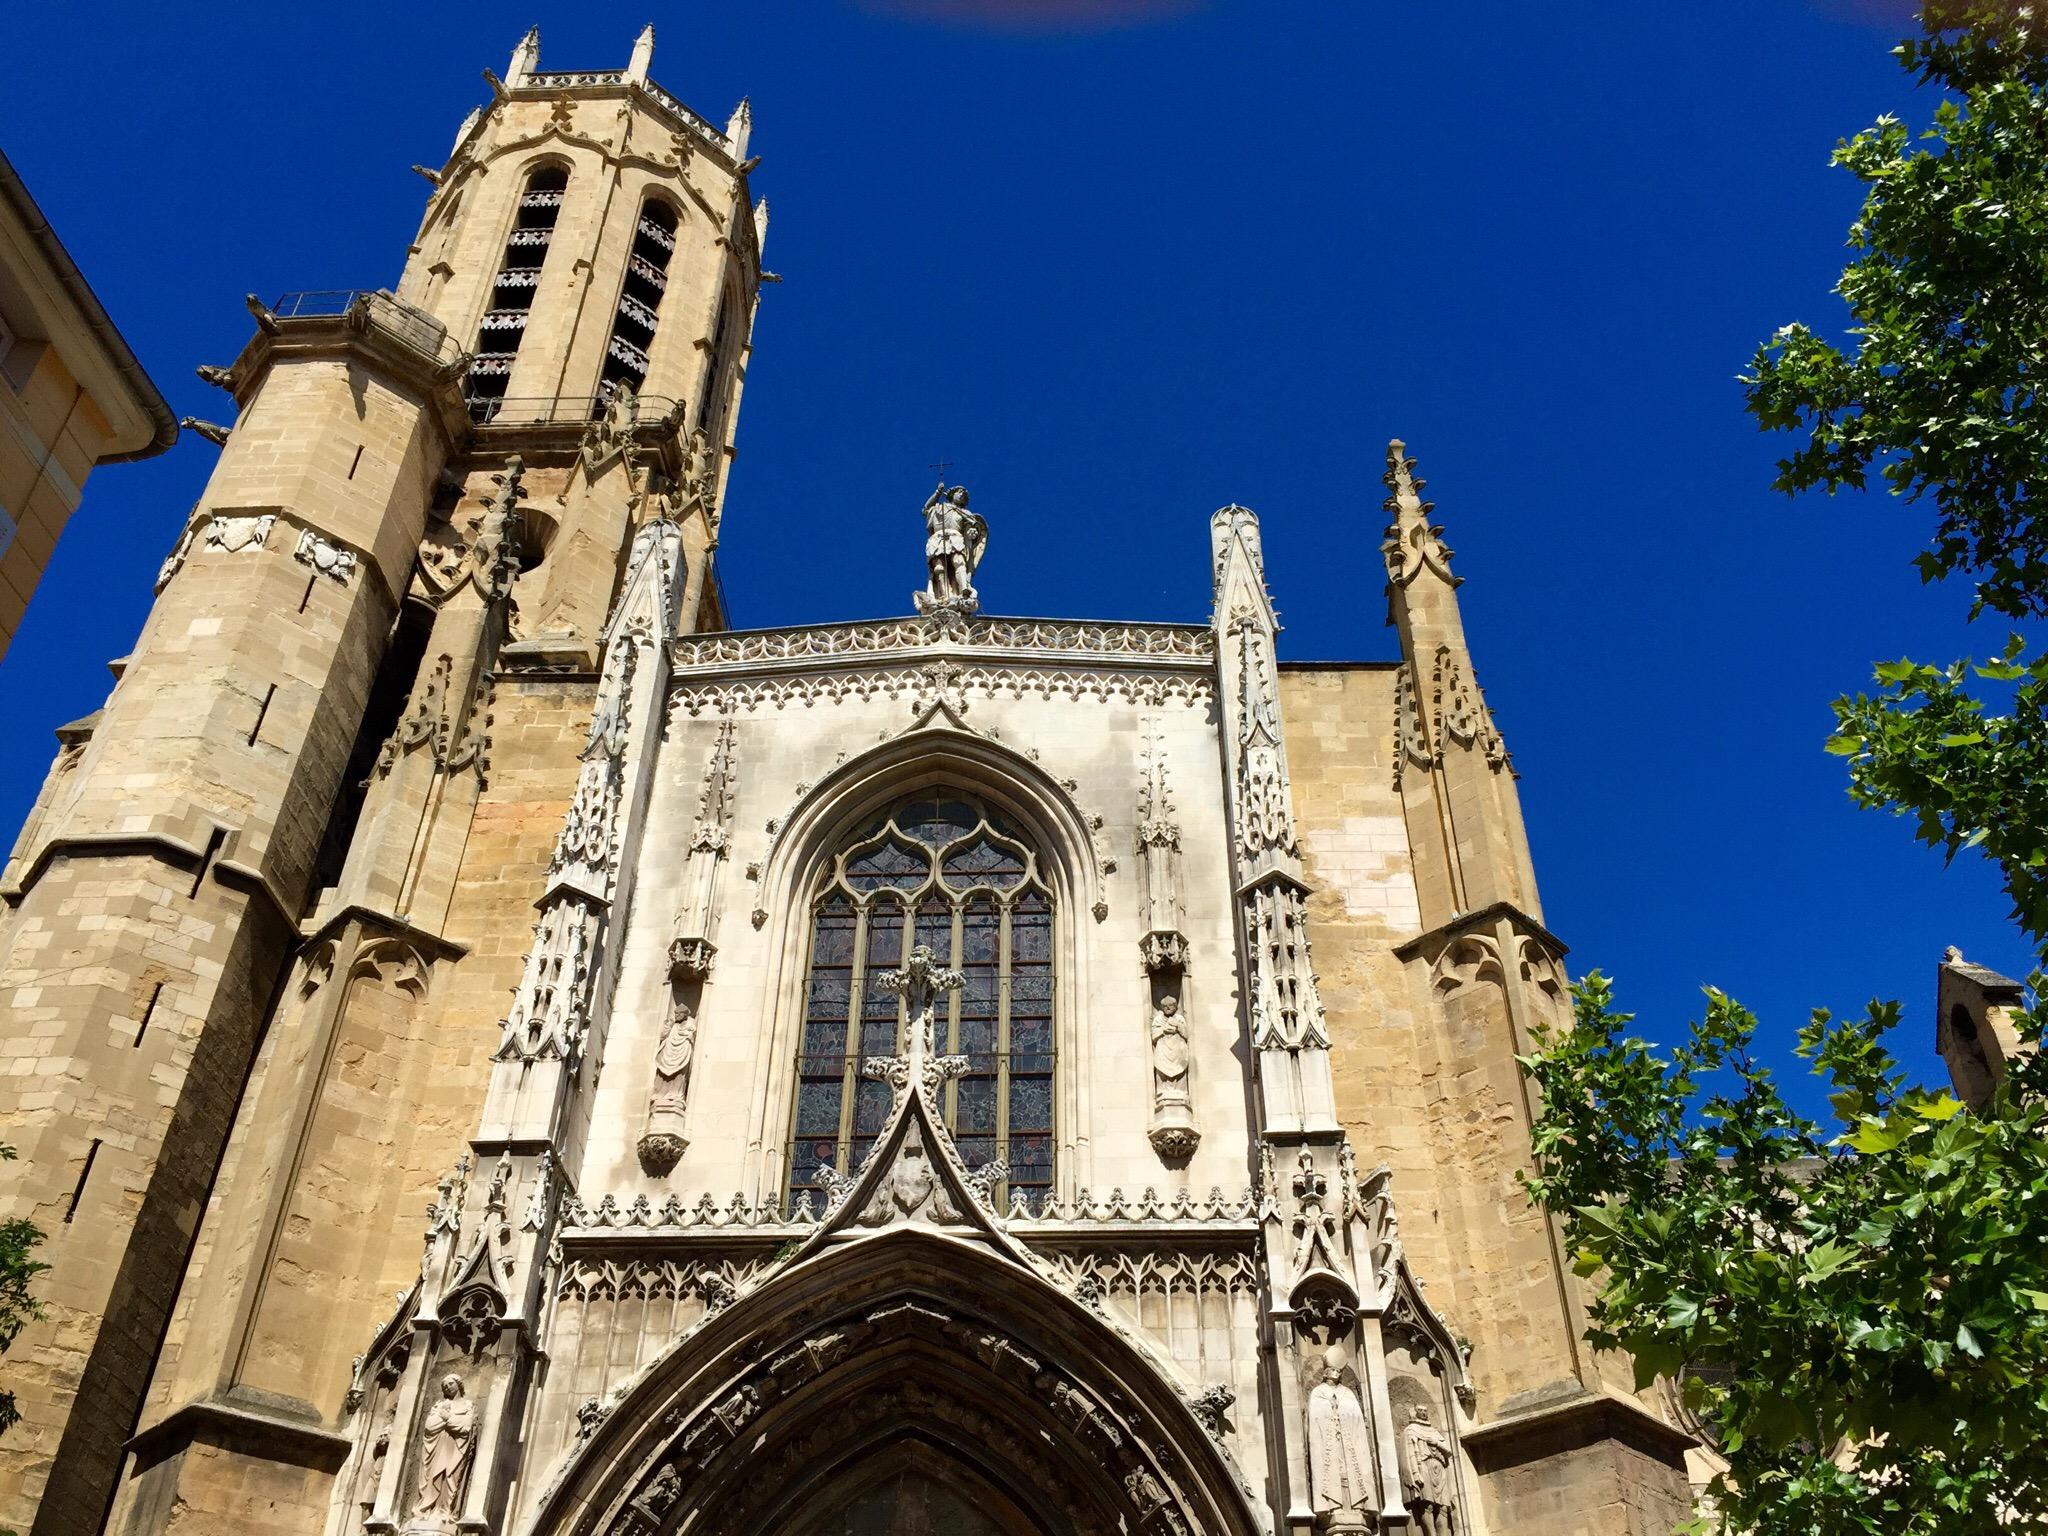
[
  {"x": 78, "y": 1191},
  {"x": 718, "y": 372},
  {"x": 640, "y": 294},
  {"x": 513, "y": 290}
]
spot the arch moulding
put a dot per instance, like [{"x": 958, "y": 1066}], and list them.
[{"x": 909, "y": 1338}]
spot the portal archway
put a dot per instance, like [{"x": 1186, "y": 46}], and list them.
[{"x": 912, "y": 1348}]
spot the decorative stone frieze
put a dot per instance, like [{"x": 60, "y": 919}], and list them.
[
  {"x": 1165, "y": 642},
  {"x": 1139, "y": 687}
]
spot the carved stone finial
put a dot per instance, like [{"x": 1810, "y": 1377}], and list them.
[
  {"x": 496, "y": 550},
  {"x": 1412, "y": 541},
  {"x": 525, "y": 58},
  {"x": 918, "y": 983}
]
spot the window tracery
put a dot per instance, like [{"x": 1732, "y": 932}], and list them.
[
  {"x": 946, "y": 869},
  {"x": 513, "y": 290}
]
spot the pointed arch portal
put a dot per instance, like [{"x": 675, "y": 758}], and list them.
[{"x": 912, "y": 1380}]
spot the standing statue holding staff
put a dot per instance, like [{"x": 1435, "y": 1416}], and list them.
[{"x": 953, "y": 543}]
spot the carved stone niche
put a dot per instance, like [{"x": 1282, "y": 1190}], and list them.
[
  {"x": 1425, "y": 1435},
  {"x": 1165, "y": 950},
  {"x": 689, "y": 959}
]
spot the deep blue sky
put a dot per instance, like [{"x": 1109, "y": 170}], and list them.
[{"x": 1120, "y": 276}]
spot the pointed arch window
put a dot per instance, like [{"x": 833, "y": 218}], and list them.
[
  {"x": 513, "y": 290},
  {"x": 640, "y": 295},
  {"x": 948, "y": 870}
]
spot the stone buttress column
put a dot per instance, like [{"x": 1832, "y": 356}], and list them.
[
  {"x": 1334, "y": 1459},
  {"x": 1487, "y": 977},
  {"x": 157, "y": 901},
  {"x": 468, "y": 1331}
]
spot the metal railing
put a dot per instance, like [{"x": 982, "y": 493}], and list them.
[
  {"x": 560, "y": 410},
  {"x": 418, "y": 330}
]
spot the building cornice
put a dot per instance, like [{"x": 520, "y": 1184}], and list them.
[
  {"x": 1429, "y": 942},
  {"x": 105, "y": 364},
  {"x": 401, "y": 343},
  {"x": 261, "y": 1431},
  {"x": 1551, "y": 1428}
]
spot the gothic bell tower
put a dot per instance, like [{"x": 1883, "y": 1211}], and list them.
[{"x": 246, "y": 871}]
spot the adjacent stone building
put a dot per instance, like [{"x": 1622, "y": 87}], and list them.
[
  {"x": 501, "y": 1050},
  {"x": 71, "y": 396}
]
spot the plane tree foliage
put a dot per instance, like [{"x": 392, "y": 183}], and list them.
[{"x": 1855, "y": 1307}]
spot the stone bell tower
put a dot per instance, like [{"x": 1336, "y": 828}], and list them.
[{"x": 337, "y": 752}]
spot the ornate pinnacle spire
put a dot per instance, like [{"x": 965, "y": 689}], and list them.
[
  {"x": 525, "y": 58},
  {"x": 739, "y": 128},
  {"x": 643, "y": 54},
  {"x": 1412, "y": 541}
]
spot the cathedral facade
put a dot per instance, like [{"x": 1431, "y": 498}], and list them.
[{"x": 500, "y": 1050}]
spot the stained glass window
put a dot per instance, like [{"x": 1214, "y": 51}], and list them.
[{"x": 947, "y": 870}]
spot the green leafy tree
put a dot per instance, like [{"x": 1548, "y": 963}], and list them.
[
  {"x": 1858, "y": 1308},
  {"x": 18, "y": 1268}
]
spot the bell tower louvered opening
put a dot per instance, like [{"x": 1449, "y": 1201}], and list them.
[
  {"x": 513, "y": 290},
  {"x": 646, "y": 280}
]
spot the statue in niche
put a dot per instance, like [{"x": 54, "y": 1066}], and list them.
[
  {"x": 1339, "y": 1452},
  {"x": 1169, "y": 1053},
  {"x": 672, "y": 1060},
  {"x": 953, "y": 544},
  {"x": 661, "y": 1146},
  {"x": 1173, "y": 1133},
  {"x": 1428, "y": 1481},
  {"x": 447, "y": 1442}
]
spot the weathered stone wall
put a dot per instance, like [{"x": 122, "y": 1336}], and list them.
[{"x": 317, "y": 1221}]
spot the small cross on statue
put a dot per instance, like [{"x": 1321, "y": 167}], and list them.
[
  {"x": 942, "y": 466},
  {"x": 918, "y": 983}
]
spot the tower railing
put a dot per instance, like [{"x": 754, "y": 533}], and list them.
[
  {"x": 420, "y": 331},
  {"x": 561, "y": 410}
]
